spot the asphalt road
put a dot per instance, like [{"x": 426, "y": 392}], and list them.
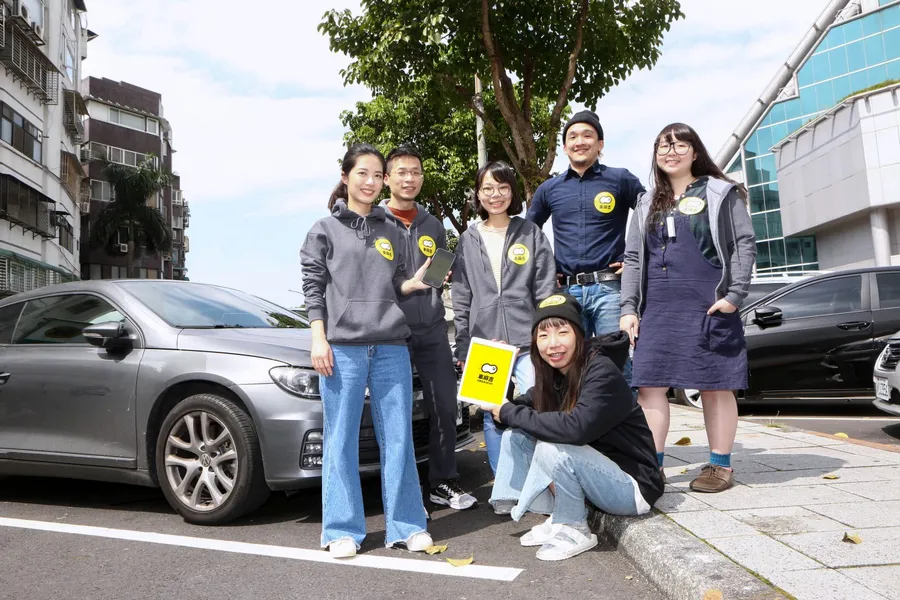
[
  {"x": 859, "y": 420},
  {"x": 73, "y": 563}
]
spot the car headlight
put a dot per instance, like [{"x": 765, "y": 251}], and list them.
[{"x": 297, "y": 381}]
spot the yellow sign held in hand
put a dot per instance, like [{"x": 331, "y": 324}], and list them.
[{"x": 488, "y": 369}]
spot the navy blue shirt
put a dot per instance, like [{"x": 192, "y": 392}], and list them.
[{"x": 590, "y": 213}]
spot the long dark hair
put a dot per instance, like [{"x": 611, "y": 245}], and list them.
[
  {"x": 546, "y": 397},
  {"x": 663, "y": 196},
  {"x": 347, "y": 164},
  {"x": 502, "y": 173}
]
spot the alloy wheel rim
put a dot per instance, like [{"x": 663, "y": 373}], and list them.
[
  {"x": 201, "y": 461},
  {"x": 693, "y": 398}
]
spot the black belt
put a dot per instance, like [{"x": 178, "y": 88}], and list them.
[{"x": 591, "y": 277}]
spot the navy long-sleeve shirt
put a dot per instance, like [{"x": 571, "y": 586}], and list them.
[{"x": 590, "y": 213}]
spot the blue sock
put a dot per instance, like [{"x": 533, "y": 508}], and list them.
[
  {"x": 660, "y": 456},
  {"x": 720, "y": 460}
]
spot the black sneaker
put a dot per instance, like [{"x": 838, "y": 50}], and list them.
[{"x": 450, "y": 494}]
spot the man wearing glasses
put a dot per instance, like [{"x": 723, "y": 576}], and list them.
[
  {"x": 589, "y": 204},
  {"x": 424, "y": 310}
]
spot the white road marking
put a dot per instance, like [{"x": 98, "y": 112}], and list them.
[
  {"x": 373, "y": 562},
  {"x": 775, "y": 418}
]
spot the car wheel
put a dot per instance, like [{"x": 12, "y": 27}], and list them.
[
  {"x": 208, "y": 461},
  {"x": 689, "y": 398}
]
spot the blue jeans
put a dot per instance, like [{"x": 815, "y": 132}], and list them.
[
  {"x": 387, "y": 372},
  {"x": 600, "y": 310},
  {"x": 523, "y": 371},
  {"x": 528, "y": 467}
]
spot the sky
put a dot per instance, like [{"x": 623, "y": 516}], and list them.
[{"x": 254, "y": 97}]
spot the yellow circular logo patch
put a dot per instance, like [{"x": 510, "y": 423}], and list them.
[
  {"x": 552, "y": 301},
  {"x": 518, "y": 253},
  {"x": 384, "y": 247},
  {"x": 605, "y": 202},
  {"x": 427, "y": 245},
  {"x": 691, "y": 205}
]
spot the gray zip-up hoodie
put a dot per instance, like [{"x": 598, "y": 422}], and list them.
[
  {"x": 732, "y": 234},
  {"x": 353, "y": 268},
  {"x": 527, "y": 276},
  {"x": 423, "y": 309}
]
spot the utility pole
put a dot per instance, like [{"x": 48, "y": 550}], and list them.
[{"x": 479, "y": 125}]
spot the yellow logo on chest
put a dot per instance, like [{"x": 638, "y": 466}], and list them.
[{"x": 384, "y": 247}]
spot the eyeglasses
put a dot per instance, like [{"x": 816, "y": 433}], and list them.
[
  {"x": 681, "y": 148},
  {"x": 502, "y": 190},
  {"x": 403, "y": 174}
]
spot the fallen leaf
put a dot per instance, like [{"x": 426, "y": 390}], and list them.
[
  {"x": 713, "y": 595},
  {"x": 683, "y": 471},
  {"x": 831, "y": 476},
  {"x": 461, "y": 562},
  {"x": 853, "y": 538},
  {"x": 629, "y": 577},
  {"x": 482, "y": 445},
  {"x": 432, "y": 550},
  {"x": 842, "y": 436},
  {"x": 685, "y": 441}
]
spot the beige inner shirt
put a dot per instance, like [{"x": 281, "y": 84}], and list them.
[{"x": 494, "y": 240}]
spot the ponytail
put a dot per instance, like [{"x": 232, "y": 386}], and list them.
[{"x": 338, "y": 193}]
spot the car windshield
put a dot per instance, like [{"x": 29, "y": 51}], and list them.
[{"x": 198, "y": 306}]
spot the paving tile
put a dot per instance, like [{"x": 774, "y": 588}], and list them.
[
  {"x": 851, "y": 477},
  {"x": 862, "y": 513},
  {"x": 679, "y": 502},
  {"x": 807, "y": 437},
  {"x": 878, "y": 547},
  {"x": 759, "y": 440},
  {"x": 884, "y": 580},
  {"x": 764, "y": 555},
  {"x": 709, "y": 524},
  {"x": 814, "y": 458},
  {"x": 881, "y": 491},
  {"x": 786, "y": 519},
  {"x": 886, "y": 456},
  {"x": 822, "y": 584},
  {"x": 743, "y": 497},
  {"x": 891, "y": 472}
]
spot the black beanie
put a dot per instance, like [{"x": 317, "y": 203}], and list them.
[
  {"x": 585, "y": 116},
  {"x": 559, "y": 305}
]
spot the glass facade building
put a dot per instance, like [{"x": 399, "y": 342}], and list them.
[{"x": 852, "y": 55}]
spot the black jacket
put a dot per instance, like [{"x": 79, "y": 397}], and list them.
[{"x": 605, "y": 417}]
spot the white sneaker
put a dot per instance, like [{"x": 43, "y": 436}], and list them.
[
  {"x": 419, "y": 542},
  {"x": 567, "y": 542},
  {"x": 342, "y": 548},
  {"x": 504, "y": 507},
  {"x": 540, "y": 534},
  {"x": 450, "y": 494}
]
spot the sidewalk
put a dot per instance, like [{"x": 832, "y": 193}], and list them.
[{"x": 796, "y": 494}]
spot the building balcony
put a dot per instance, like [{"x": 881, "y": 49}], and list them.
[
  {"x": 20, "y": 53},
  {"x": 71, "y": 175},
  {"x": 75, "y": 111},
  {"x": 20, "y": 274},
  {"x": 26, "y": 207}
]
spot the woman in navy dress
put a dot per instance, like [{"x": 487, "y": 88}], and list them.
[{"x": 689, "y": 256}]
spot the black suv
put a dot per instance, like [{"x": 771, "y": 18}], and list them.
[{"x": 819, "y": 338}]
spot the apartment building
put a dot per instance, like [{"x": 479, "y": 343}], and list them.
[
  {"x": 42, "y": 46},
  {"x": 126, "y": 125}
]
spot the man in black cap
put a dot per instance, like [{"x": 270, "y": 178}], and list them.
[{"x": 589, "y": 204}]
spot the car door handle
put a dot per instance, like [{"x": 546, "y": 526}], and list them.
[
  {"x": 854, "y": 325},
  {"x": 4, "y": 377}
]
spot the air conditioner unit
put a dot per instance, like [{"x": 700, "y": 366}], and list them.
[
  {"x": 85, "y": 154},
  {"x": 38, "y": 30},
  {"x": 123, "y": 248},
  {"x": 85, "y": 207},
  {"x": 23, "y": 12}
]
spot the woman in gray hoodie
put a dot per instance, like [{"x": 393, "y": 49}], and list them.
[
  {"x": 354, "y": 269},
  {"x": 504, "y": 266},
  {"x": 688, "y": 258}
]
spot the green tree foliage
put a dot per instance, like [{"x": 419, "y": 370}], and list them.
[{"x": 563, "y": 50}]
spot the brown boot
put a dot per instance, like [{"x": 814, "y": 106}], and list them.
[{"x": 713, "y": 479}]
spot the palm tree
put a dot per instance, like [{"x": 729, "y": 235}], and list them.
[{"x": 133, "y": 187}]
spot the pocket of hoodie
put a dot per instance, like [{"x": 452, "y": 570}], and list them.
[{"x": 363, "y": 316}]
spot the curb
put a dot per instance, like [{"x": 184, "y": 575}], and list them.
[{"x": 680, "y": 565}]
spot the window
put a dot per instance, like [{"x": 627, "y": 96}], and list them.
[
  {"x": 9, "y": 316},
  {"x": 19, "y": 133},
  {"x": 69, "y": 63},
  {"x": 152, "y": 126},
  {"x": 102, "y": 191},
  {"x": 60, "y": 319},
  {"x": 120, "y": 155},
  {"x": 133, "y": 121},
  {"x": 95, "y": 272},
  {"x": 888, "y": 289},
  {"x": 66, "y": 236},
  {"x": 829, "y": 297}
]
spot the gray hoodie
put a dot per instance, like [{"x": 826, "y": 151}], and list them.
[
  {"x": 423, "y": 309},
  {"x": 353, "y": 268},
  {"x": 732, "y": 234},
  {"x": 527, "y": 276}
]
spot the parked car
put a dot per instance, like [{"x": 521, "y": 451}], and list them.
[
  {"x": 763, "y": 284},
  {"x": 887, "y": 378},
  {"x": 204, "y": 391},
  {"x": 819, "y": 338}
]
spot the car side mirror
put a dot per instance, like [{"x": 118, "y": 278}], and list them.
[
  {"x": 768, "y": 316},
  {"x": 108, "y": 335}
]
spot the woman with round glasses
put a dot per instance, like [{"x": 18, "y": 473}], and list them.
[
  {"x": 688, "y": 259},
  {"x": 504, "y": 265}
]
